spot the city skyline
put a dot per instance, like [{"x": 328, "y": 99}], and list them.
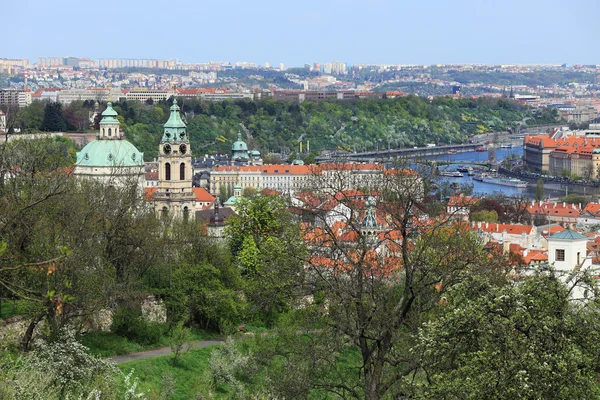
[{"x": 381, "y": 32}]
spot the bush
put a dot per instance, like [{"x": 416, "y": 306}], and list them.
[{"x": 129, "y": 323}]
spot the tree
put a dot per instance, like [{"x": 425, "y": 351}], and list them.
[
  {"x": 31, "y": 117},
  {"x": 206, "y": 296},
  {"x": 178, "y": 338},
  {"x": 511, "y": 341},
  {"x": 574, "y": 198},
  {"x": 249, "y": 192},
  {"x": 484, "y": 216},
  {"x": 62, "y": 238},
  {"x": 539, "y": 190},
  {"x": 53, "y": 118},
  {"x": 267, "y": 247},
  {"x": 379, "y": 271}
]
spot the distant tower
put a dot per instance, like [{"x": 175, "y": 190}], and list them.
[
  {"x": 369, "y": 226},
  {"x": 239, "y": 150},
  {"x": 216, "y": 224},
  {"x": 174, "y": 196}
]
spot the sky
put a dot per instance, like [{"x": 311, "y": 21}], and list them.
[{"x": 304, "y": 32}]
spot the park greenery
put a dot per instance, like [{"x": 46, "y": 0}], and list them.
[
  {"x": 280, "y": 126},
  {"x": 422, "y": 311}
]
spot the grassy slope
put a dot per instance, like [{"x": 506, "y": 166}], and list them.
[{"x": 188, "y": 374}]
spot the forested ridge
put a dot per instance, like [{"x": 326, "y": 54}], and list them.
[{"x": 278, "y": 126}]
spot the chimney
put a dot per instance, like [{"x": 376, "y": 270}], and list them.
[
  {"x": 486, "y": 225},
  {"x": 525, "y": 252},
  {"x": 479, "y": 224},
  {"x": 564, "y": 204}
]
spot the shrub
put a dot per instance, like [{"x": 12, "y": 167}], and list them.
[{"x": 129, "y": 323}]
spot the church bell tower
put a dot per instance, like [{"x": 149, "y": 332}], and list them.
[{"x": 174, "y": 196}]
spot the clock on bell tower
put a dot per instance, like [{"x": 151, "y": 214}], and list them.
[{"x": 174, "y": 196}]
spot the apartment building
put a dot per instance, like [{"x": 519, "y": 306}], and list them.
[
  {"x": 94, "y": 94},
  {"x": 317, "y": 95},
  {"x": 291, "y": 178},
  {"x": 145, "y": 94},
  {"x": 230, "y": 176},
  {"x": 14, "y": 97},
  {"x": 10, "y": 65}
]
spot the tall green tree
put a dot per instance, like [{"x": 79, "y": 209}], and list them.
[
  {"x": 267, "y": 247},
  {"x": 371, "y": 291},
  {"x": 53, "y": 118},
  {"x": 539, "y": 190},
  {"x": 523, "y": 341}
]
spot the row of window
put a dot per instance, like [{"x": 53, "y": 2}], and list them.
[{"x": 181, "y": 171}]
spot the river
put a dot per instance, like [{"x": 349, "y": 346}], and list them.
[{"x": 480, "y": 188}]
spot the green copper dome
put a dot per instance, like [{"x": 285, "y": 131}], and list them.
[
  {"x": 239, "y": 145},
  {"x": 110, "y": 153},
  {"x": 109, "y": 112}
]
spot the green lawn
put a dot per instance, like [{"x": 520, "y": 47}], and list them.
[
  {"x": 106, "y": 344},
  {"x": 187, "y": 374}
]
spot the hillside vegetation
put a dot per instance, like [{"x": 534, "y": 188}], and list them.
[{"x": 278, "y": 126}]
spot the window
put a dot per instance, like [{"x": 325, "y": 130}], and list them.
[
  {"x": 182, "y": 172},
  {"x": 560, "y": 255},
  {"x": 167, "y": 171},
  {"x": 109, "y": 132}
]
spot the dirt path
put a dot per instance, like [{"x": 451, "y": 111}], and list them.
[{"x": 162, "y": 351}]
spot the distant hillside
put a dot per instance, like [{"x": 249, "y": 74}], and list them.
[{"x": 278, "y": 126}]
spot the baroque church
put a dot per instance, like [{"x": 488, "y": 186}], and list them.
[{"x": 110, "y": 158}]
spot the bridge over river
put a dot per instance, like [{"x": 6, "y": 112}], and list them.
[{"x": 408, "y": 153}]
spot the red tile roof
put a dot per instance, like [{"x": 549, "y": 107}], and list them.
[{"x": 202, "y": 195}]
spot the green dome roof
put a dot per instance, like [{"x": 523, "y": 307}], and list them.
[
  {"x": 569, "y": 235},
  {"x": 239, "y": 145},
  {"x": 596, "y": 150},
  {"x": 231, "y": 201},
  {"x": 110, "y": 153},
  {"x": 109, "y": 112}
]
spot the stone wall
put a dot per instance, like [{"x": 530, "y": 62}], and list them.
[{"x": 13, "y": 329}]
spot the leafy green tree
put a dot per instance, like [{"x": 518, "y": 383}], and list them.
[
  {"x": 200, "y": 296},
  {"x": 64, "y": 238},
  {"x": 484, "y": 216},
  {"x": 368, "y": 306},
  {"x": 574, "y": 198},
  {"x": 511, "y": 341},
  {"x": 31, "y": 117},
  {"x": 178, "y": 339},
  {"x": 266, "y": 245}
]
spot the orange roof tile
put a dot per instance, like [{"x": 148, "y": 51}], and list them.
[{"x": 202, "y": 195}]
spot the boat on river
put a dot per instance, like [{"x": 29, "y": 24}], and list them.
[
  {"x": 503, "y": 181},
  {"x": 481, "y": 149},
  {"x": 453, "y": 174}
]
